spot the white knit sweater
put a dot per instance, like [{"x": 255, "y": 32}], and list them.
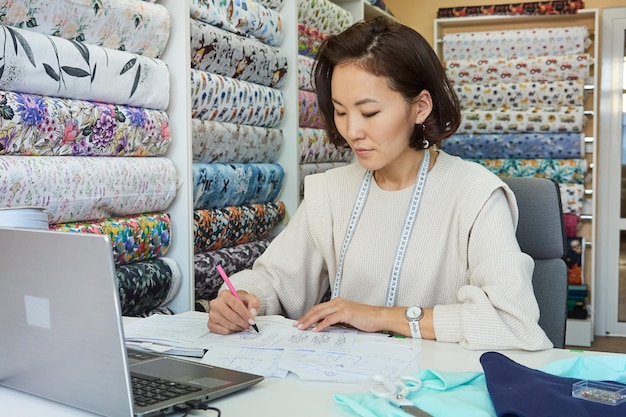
[{"x": 462, "y": 259}]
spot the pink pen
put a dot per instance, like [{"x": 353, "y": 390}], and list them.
[{"x": 232, "y": 289}]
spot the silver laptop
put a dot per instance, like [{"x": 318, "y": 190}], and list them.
[{"x": 61, "y": 333}]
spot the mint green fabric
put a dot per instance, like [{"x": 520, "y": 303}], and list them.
[{"x": 447, "y": 394}]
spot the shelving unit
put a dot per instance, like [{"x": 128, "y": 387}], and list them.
[
  {"x": 177, "y": 57},
  {"x": 580, "y": 332},
  {"x": 362, "y": 9}
]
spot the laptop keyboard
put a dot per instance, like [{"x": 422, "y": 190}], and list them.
[{"x": 148, "y": 391}]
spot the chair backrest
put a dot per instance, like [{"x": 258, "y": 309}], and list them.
[{"x": 541, "y": 234}]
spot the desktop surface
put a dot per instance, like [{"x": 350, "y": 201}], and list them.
[{"x": 281, "y": 396}]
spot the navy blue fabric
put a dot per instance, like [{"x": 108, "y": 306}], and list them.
[{"x": 518, "y": 391}]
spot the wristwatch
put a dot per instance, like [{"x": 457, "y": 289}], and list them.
[{"x": 414, "y": 314}]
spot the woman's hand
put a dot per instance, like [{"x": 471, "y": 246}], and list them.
[
  {"x": 229, "y": 315},
  {"x": 339, "y": 311},
  {"x": 364, "y": 317}
]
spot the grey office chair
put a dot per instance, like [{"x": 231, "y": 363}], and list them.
[{"x": 541, "y": 234}]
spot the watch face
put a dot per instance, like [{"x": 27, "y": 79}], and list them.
[{"x": 414, "y": 312}]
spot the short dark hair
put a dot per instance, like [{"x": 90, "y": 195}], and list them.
[{"x": 387, "y": 48}]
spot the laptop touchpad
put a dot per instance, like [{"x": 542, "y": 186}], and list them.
[{"x": 182, "y": 371}]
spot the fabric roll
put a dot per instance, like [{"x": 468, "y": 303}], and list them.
[
  {"x": 536, "y": 119},
  {"x": 565, "y": 145},
  {"x": 517, "y": 43},
  {"x": 520, "y": 96},
  {"x": 315, "y": 168},
  {"x": 305, "y": 70},
  {"x": 309, "y": 114},
  {"x": 514, "y": 9},
  {"x": 222, "y": 185},
  {"x": 242, "y": 17},
  {"x": 146, "y": 285},
  {"x": 272, "y": 4},
  {"x": 136, "y": 238},
  {"x": 315, "y": 147},
  {"x": 324, "y": 15},
  {"x": 41, "y": 125},
  {"x": 74, "y": 188},
  {"x": 224, "y": 53},
  {"x": 564, "y": 171},
  {"x": 234, "y": 143},
  {"x": 523, "y": 70},
  {"x": 230, "y": 226},
  {"x": 224, "y": 99},
  {"x": 233, "y": 259},
  {"x": 51, "y": 66},
  {"x": 538, "y": 69},
  {"x": 572, "y": 197},
  {"x": 135, "y": 26},
  {"x": 309, "y": 40}
]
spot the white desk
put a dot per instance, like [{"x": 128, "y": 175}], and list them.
[{"x": 291, "y": 396}]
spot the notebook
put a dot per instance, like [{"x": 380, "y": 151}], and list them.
[{"x": 61, "y": 333}]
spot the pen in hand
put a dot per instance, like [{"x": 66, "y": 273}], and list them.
[{"x": 232, "y": 289}]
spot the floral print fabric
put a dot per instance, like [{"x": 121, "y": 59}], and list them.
[
  {"x": 147, "y": 285},
  {"x": 40, "y": 125},
  {"x": 315, "y": 147},
  {"x": 305, "y": 70},
  {"x": 514, "y": 44},
  {"x": 136, "y": 238},
  {"x": 229, "y": 142},
  {"x": 523, "y": 70},
  {"x": 220, "y": 52},
  {"x": 309, "y": 115},
  {"x": 224, "y": 99},
  {"x": 242, "y": 17},
  {"x": 135, "y": 26},
  {"x": 233, "y": 259},
  {"x": 566, "y": 145},
  {"x": 566, "y": 171},
  {"x": 536, "y": 119},
  {"x": 309, "y": 40},
  {"x": 222, "y": 185},
  {"x": 51, "y": 66},
  {"x": 74, "y": 188},
  {"x": 324, "y": 15},
  {"x": 521, "y": 96},
  {"x": 225, "y": 227},
  {"x": 272, "y": 4}
]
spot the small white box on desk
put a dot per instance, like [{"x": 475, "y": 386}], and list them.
[{"x": 579, "y": 332}]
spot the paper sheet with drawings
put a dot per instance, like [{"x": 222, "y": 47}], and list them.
[{"x": 339, "y": 354}]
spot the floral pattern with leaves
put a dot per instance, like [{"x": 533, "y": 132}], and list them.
[
  {"x": 134, "y": 26},
  {"x": 39, "y": 125},
  {"x": 34, "y": 63}
]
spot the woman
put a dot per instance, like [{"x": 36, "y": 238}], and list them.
[{"x": 410, "y": 240}]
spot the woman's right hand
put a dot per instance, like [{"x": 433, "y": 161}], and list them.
[{"x": 229, "y": 315}]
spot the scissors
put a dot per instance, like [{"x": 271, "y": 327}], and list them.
[{"x": 396, "y": 391}]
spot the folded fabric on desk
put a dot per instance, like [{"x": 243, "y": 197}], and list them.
[
  {"x": 470, "y": 394},
  {"x": 518, "y": 391}
]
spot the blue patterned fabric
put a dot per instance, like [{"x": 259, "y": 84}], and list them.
[
  {"x": 220, "y": 185},
  {"x": 565, "y": 145}
]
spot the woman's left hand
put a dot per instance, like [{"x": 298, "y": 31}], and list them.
[{"x": 363, "y": 317}]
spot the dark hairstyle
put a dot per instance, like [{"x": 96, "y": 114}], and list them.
[{"x": 386, "y": 48}]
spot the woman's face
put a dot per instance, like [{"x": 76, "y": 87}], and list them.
[{"x": 376, "y": 121}]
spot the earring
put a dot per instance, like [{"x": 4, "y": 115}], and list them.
[{"x": 425, "y": 142}]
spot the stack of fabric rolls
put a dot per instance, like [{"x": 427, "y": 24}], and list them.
[
  {"x": 237, "y": 105},
  {"x": 317, "y": 19},
  {"x": 92, "y": 155},
  {"x": 522, "y": 94}
]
